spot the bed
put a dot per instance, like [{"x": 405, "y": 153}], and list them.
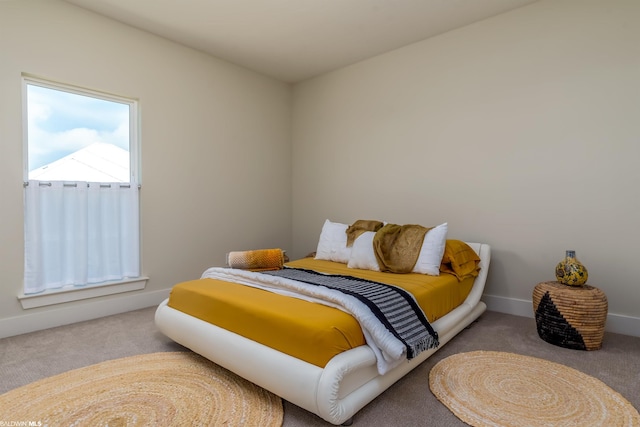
[{"x": 334, "y": 388}]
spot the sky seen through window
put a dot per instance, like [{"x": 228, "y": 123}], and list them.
[{"x": 61, "y": 123}]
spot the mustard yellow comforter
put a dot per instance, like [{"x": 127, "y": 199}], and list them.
[{"x": 302, "y": 329}]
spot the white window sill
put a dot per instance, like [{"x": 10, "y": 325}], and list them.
[{"x": 59, "y": 296}]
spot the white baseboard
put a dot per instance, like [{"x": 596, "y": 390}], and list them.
[
  {"x": 88, "y": 310},
  {"x": 616, "y": 323}
]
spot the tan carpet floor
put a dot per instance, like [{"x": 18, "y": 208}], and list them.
[{"x": 409, "y": 402}]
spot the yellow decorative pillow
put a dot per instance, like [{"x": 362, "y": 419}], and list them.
[
  {"x": 257, "y": 260},
  {"x": 460, "y": 260}
]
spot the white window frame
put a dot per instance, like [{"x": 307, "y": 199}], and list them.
[{"x": 69, "y": 294}]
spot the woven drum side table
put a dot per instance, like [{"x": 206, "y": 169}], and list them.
[{"x": 570, "y": 316}]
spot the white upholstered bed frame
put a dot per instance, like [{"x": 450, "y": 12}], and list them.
[{"x": 336, "y": 392}]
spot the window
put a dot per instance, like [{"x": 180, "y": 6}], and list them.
[
  {"x": 79, "y": 135},
  {"x": 81, "y": 187}
]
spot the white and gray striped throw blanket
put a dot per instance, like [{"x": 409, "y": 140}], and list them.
[{"x": 393, "y": 324}]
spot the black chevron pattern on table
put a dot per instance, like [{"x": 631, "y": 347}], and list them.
[{"x": 554, "y": 328}]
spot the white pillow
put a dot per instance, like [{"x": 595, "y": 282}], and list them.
[
  {"x": 362, "y": 255},
  {"x": 332, "y": 245},
  {"x": 432, "y": 251}
]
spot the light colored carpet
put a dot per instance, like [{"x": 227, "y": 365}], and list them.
[
  {"x": 491, "y": 388},
  {"x": 30, "y": 357},
  {"x": 158, "y": 389}
]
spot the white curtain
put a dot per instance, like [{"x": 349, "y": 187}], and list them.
[{"x": 79, "y": 234}]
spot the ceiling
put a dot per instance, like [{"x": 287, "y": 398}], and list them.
[{"x": 292, "y": 40}]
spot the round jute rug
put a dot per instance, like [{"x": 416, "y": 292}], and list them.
[
  {"x": 487, "y": 388},
  {"x": 158, "y": 389}
]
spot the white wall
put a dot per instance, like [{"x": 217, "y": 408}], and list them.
[
  {"x": 521, "y": 131},
  {"x": 215, "y": 149}
]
